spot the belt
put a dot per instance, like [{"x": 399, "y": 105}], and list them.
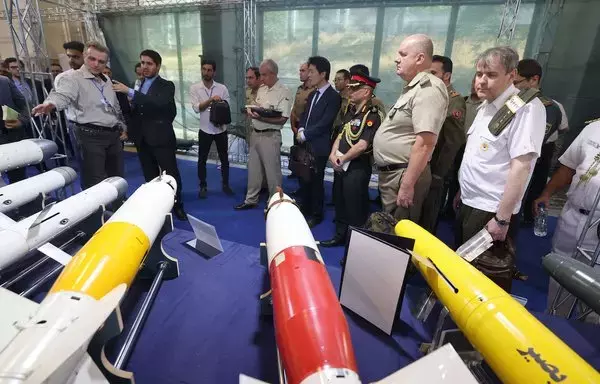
[
  {"x": 392, "y": 167},
  {"x": 266, "y": 130},
  {"x": 584, "y": 211},
  {"x": 96, "y": 127}
]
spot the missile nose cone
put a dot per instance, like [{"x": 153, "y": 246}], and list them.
[
  {"x": 119, "y": 183},
  {"x": 68, "y": 173},
  {"x": 551, "y": 261},
  {"x": 48, "y": 147}
]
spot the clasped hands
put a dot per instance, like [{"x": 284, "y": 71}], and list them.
[{"x": 337, "y": 162}]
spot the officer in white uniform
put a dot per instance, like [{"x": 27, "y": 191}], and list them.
[{"x": 580, "y": 165}]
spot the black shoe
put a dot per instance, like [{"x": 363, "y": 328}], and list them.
[
  {"x": 180, "y": 213},
  {"x": 228, "y": 191},
  {"x": 337, "y": 241},
  {"x": 313, "y": 221},
  {"x": 292, "y": 176},
  {"x": 244, "y": 206},
  {"x": 203, "y": 192}
]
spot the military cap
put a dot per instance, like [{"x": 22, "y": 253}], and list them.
[{"x": 359, "y": 79}]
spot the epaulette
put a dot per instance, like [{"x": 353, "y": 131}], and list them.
[
  {"x": 425, "y": 80},
  {"x": 453, "y": 93},
  {"x": 545, "y": 100},
  {"x": 505, "y": 115},
  {"x": 593, "y": 120}
]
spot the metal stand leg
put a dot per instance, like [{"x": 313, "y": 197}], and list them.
[{"x": 136, "y": 328}]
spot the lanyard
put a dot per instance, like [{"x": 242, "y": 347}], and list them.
[{"x": 105, "y": 101}]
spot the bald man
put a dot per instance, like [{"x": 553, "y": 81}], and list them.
[{"x": 403, "y": 145}]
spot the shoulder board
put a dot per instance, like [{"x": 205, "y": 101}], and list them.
[
  {"x": 453, "y": 93},
  {"x": 466, "y": 98},
  {"x": 593, "y": 120},
  {"x": 505, "y": 115},
  {"x": 545, "y": 100},
  {"x": 425, "y": 80}
]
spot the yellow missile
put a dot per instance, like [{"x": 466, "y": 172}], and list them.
[{"x": 513, "y": 342}]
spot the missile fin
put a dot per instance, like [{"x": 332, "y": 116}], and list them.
[
  {"x": 250, "y": 380},
  {"x": 55, "y": 253},
  {"x": 42, "y": 215},
  {"x": 442, "y": 366},
  {"x": 14, "y": 309},
  {"x": 78, "y": 334},
  {"x": 423, "y": 260}
]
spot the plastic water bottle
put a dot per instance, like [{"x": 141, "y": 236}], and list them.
[{"x": 540, "y": 227}]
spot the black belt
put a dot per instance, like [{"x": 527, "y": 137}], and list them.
[
  {"x": 584, "y": 211},
  {"x": 266, "y": 130},
  {"x": 392, "y": 167},
  {"x": 96, "y": 127}
]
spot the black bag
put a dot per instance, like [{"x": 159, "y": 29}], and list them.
[
  {"x": 220, "y": 113},
  {"x": 302, "y": 162},
  {"x": 498, "y": 264}
]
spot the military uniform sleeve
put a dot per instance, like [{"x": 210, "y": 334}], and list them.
[
  {"x": 371, "y": 125},
  {"x": 528, "y": 130},
  {"x": 454, "y": 137},
  {"x": 574, "y": 155},
  {"x": 429, "y": 108},
  {"x": 285, "y": 104}
]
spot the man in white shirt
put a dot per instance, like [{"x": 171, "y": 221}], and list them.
[
  {"x": 264, "y": 159},
  {"x": 579, "y": 168},
  {"x": 202, "y": 95},
  {"x": 503, "y": 144}
]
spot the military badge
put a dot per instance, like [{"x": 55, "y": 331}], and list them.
[
  {"x": 457, "y": 114},
  {"x": 484, "y": 146},
  {"x": 369, "y": 123}
]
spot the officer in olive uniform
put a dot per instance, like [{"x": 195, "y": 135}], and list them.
[
  {"x": 351, "y": 158},
  {"x": 452, "y": 137}
]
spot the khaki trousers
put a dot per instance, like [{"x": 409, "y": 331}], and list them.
[
  {"x": 389, "y": 184},
  {"x": 264, "y": 162}
]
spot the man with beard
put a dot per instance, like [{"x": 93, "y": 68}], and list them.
[
  {"x": 202, "y": 95},
  {"x": 152, "y": 115}
]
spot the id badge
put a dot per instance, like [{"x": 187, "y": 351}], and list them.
[{"x": 105, "y": 104}]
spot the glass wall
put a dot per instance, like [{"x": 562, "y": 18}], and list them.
[
  {"x": 178, "y": 39},
  {"x": 347, "y": 36}
]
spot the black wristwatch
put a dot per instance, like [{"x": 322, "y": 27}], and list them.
[{"x": 501, "y": 223}]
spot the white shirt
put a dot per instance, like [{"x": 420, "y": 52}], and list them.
[
  {"x": 199, "y": 94},
  {"x": 563, "y": 126},
  {"x": 580, "y": 157},
  {"x": 277, "y": 97},
  {"x": 486, "y": 162}
]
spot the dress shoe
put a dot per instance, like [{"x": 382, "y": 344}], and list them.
[
  {"x": 203, "y": 192},
  {"x": 337, "y": 241},
  {"x": 244, "y": 206},
  {"x": 292, "y": 176},
  {"x": 313, "y": 221},
  {"x": 180, "y": 213},
  {"x": 228, "y": 191}
]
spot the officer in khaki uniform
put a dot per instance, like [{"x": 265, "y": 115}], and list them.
[
  {"x": 253, "y": 83},
  {"x": 405, "y": 141},
  {"x": 452, "y": 137},
  {"x": 300, "y": 99},
  {"x": 351, "y": 159}
]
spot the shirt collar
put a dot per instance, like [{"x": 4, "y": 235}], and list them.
[
  {"x": 416, "y": 79},
  {"x": 150, "y": 79},
  {"x": 324, "y": 88},
  {"x": 504, "y": 96},
  {"x": 86, "y": 73}
]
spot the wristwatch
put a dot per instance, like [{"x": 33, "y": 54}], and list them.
[{"x": 501, "y": 223}]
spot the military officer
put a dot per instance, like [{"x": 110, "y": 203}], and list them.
[
  {"x": 405, "y": 141},
  {"x": 351, "y": 158},
  {"x": 300, "y": 99},
  {"x": 579, "y": 167},
  {"x": 452, "y": 137},
  {"x": 529, "y": 75}
]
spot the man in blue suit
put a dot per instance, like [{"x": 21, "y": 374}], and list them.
[
  {"x": 12, "y": 130},
  {"x": 314, "y": 132}
]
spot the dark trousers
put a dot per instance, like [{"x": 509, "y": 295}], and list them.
[
  {"x": 451, "y": 187},
  {"x": 351, "y": 196},
  {"x": 101, "y": 155},
  {"x": 155, "y": 160},
  {"x": 472, "y": 220},
  {"x": 538, "y": 180},
  {"x": 205, "y": 140},
  {"x": 312, "y": 192}
]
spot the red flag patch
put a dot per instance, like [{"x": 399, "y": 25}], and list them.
[{"x": 457, "y": 114}]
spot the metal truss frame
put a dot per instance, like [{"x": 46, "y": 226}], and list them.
[{"x": 509, "y": 20}]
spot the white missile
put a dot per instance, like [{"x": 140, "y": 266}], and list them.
[
  {"x": 18, "y": 194},
  {"x": 49, "y": 343},
  {"x": 36, "y": 230},
  {"x": 25, "y": 152}
]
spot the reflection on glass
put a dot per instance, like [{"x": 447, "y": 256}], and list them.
[
  {"x": 346, "y": 36},
  {"x": 477, "y": 30},
  {"x": 398, "y": 24}
]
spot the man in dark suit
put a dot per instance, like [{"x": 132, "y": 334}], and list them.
[
  {"x": 13, "y": 130},
  {"x": 151, "y": 128},
  {"x": 314, "y": 132}
]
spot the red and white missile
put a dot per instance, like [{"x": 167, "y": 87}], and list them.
[
  {"x": 311, "y": 331},
  {"x": 25, "y": 152},
  {"x": 19, "y": 239},
  {"x": 50, "y": 343},
  {"x": 20, "y": 193}
]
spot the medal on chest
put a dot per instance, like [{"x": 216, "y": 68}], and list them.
[
  {"x": 591, "y": 171},
  {"x": 355, "y": 126}
]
